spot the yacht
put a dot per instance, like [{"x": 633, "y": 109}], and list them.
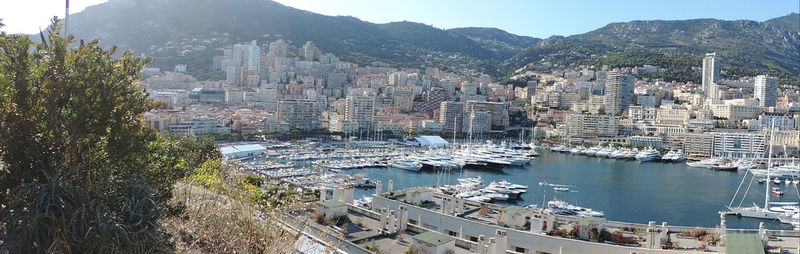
[
  {"x": 592, "y": 151},
  {"x": 563, "y": 208},
  {"x": 631, "y": 154},
  {"x": 745, "y": 164},
  {"x": 559, "y": 148},
  {"x": 512, "y": 186},
  {"x": 618, "y": 154},
  {"x": 707, "y": 163},
  {"x": 509, "y": 189},
  {"x": 495, "y": 195},
  {"x": 668, "y": 156},
  {"x": 577, "y": 150},
  {"x": 475, "y": 195},
  {"x": 725, "y": 167},
  {"x": 783, "y": 172},
  {"x": 471, "y": 180},
  {"x": 648, "y": 155},
  {"x": 409, "y": 165},
  {"x": 603, "y": 152},
  {"x": 679, "y": 156}
]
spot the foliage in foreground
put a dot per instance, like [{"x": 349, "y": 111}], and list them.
[
  {"x": 227, "y": 210},
  {"x": 82, "y": 173},
  {"x": 215, "y": 223}
]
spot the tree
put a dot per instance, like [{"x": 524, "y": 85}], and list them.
[{"x": 82, "y": 173}]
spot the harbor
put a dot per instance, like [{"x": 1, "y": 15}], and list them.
[{"x": 625, "y": 190}]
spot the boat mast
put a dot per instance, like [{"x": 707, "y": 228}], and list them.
[{"x": 769, "y": 164}]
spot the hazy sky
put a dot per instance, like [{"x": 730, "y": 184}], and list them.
[{"x": 538, "y": 18}]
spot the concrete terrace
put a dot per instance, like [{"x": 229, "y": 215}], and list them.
[{"x": 397, "y": 216}]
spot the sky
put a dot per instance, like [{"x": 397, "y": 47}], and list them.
[{"x": 537, "y": 18}]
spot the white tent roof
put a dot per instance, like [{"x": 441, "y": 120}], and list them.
[
  {"x": 231, "y": 150},
  {"x": 435, "y": 141}
]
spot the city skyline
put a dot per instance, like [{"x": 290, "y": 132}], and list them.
[{"x": 30, "y": 16}]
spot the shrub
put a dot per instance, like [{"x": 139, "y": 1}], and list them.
[{"x": 82, "y": 172}]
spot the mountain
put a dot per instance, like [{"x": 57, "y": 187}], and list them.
[
  {"x": 146, "y": 26},
  {"x": 192, "y": 32},
  {"x": 744, "y": 47},
  {"x": 789, "y": 22},
  {"x": 499, "y": 41}
]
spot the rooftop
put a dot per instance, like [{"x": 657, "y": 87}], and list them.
[
  {"x": 226, "y": 150},
  {"x": 743, "y": 243},
  {"x": 433, "y": 238},
  {"x": 331, "y": 203},
  {"x": 516, "y": 210}
]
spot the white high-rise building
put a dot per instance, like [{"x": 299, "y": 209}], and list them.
[
  {"x": 710, "y": 76},
  {"x": 360, "y": 107},
  {"x": 246, "y": 60},
  {"x": 254, "y": 57},
  {"x": 619, "y": 86},
  {"x": 766, "y": 90}
]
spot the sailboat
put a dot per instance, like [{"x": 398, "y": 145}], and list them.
[{"x": 781, "y": 210}]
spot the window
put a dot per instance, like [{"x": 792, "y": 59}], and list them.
[
  {"x": 474, "y": 239},
  {"x": 451, "y": 233},
  {"x": 429, "y": 226},
  {"x": 519, "y": 249},
  {"x": 414, "y": 222}
]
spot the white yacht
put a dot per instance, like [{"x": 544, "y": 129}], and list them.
[
  {"x": 592, "y": 151},
  {"x": 618, "y": 154},
  {"x": 577, "y": 150},
  {"x": 605, "y": 152},
  {"x": 679, "y": 156},
  {"x": 631, "y": 154},
  {"x": 409, "y": 165},
  {"x": 559, "y": 148},
  {"x": 509, "y": 189},
  {"x": 563, "y": 208},
  {"x": 471, "y": 180},
  {"x": 648, "y": 155},
  {"x": 745, "y": 164},
  {"x": 668, "y": 156},
  {"x": 707, "y": 163}
]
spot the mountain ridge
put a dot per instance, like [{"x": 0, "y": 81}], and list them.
[
  {"x": 147, "y": 25},
  {"x": 746, "y": 47}
]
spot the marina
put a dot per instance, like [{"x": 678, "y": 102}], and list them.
[{"x": 624, "y": 190}]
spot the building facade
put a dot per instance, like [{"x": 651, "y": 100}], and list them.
[
  {"x": 739, "y": 145},
  {"x": 451, "y": 115},
  {"x": 360, "y": 107},
  {"x": 765, "y": 90},
  {"x": 710, "y": 76},
  {"x": 619, "y": 87},
  {"x": 302, "y": 115},
  {"x": 588, "y": 126}
]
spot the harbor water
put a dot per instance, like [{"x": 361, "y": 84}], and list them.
[{"x": 627, "y": 191}]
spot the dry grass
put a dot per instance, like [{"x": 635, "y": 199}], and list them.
[{"x": 214, "y": 223}]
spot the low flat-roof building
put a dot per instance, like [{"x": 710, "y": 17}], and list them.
[
  {"x": 434, "y": 243},
  {"x": 332, "y": 208}
]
